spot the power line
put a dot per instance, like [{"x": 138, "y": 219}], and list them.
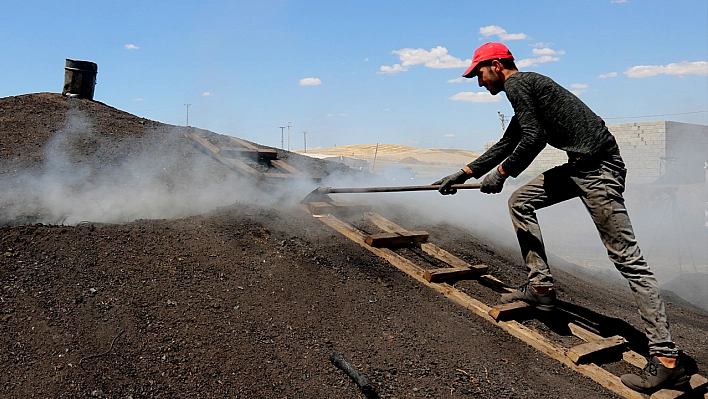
[
  {"x": 281, "y": 136},
  {"x": 649, "y": 116}
]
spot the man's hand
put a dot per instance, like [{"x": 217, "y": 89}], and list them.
[
  {"x": 456, "y": 178},
  {"x": 493, "y": 182}
]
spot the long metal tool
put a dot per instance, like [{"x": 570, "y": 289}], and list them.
[{"x": 320, "y": 194}]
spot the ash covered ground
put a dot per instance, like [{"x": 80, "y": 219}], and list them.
[{"x": 134, "y": 266}]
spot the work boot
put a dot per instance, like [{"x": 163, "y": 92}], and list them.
[
  {"x": 656, "y": 376},
  {"x": 527, "y": 294}
]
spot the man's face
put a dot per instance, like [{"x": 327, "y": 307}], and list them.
[{"x": 487, "y": 77}]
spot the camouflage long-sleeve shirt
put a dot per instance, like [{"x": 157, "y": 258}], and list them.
[{"x": 544, "y": 113}]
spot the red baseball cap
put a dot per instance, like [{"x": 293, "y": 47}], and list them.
[{"x": 486, "y": 52}]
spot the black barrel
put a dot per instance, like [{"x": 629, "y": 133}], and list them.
[{"x": 79, "y": 79}]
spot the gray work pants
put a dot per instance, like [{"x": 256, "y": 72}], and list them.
[{"x": 599, "y": 184}]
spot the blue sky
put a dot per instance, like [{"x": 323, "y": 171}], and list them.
[{"x": 359, "y": 72}]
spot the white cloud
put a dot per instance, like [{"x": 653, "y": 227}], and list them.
[
  {"x": 682, "y": 68},
  {"x": 395, "y": 68},
  {"x": 131, "y": 47},
  {"x": 607, "y": 75},
  {"x": 366, "y": 59},
  {"x": 580, "y": 88},
  {"x": 386, "y": 109},
  {"x": 472, "y": 97},
  {"x": 207, "y": 94},
  {"x": 138, "y": 99},
  {"x": 617, "y": 1},
  {"x": 331, "y": 115},
  {"x": 310, "y": 82},
  {"x": 434, "y": 58},
  {"x": 449, "y": 135},
  {"x": 492, "y": 30},
  {"x": 456, "y": 80},
  {"x": 536, "y": 61},
  {"x": 543, "y": 53},
  {"x": 342, "y": 114},
  {"x": 547, "y": 51}
]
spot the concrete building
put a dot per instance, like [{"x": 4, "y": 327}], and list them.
[{"x": 654, "y": 152}]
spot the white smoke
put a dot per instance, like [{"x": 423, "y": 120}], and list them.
[{"x": 154, "y": 183}]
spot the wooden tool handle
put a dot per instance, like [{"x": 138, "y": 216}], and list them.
[{"x": 330, "y": 190}]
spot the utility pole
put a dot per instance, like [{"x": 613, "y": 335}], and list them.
[
  {"x": 288, "y": 136},
  {"x": 187, "y": 105},
  {"x": 304, "y": 134},
  {"x": 281, "y": 136},
  {"x": 502, "y": 118}
]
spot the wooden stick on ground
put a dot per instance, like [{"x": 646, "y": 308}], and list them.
[{"x": 366, "y": 387}]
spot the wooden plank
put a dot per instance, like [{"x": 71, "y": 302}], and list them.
[
  {"x": 338, "y": 208},
  {"x": 507, "y": 311},
  {"x": 583, "y": 333},
  {"x": 266, "y": 153},
  {"x": 289, "y": 176},
  {"x": 241, "y": 143},
  {"x": 202, "y": 143},
  {"x": 233, "y": 152},
  {"x": 451, "y": 273},
  {"x": 452, "y": 260},
  {"x": 428, "y": 248},
  {"x": 629, "y": 356},
  {"x": 399, "y": 238},
  {"x": 589, "y": 350},
  {"x": 634, "y": 358},
  {"x": 280, "y": 164},
  {"x": 320, "y": 208},
  {"x": 494, "y": 283},
  {"x": 233, "y": 164},
  {"x": 240, "y": 167},
  {"x": 534, "y": 339},
  {"x": 383, "y": 223},
  {"x": 442, "y": 255}
]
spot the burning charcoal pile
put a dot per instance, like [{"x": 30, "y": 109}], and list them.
[{"x": 133, "y": 265}]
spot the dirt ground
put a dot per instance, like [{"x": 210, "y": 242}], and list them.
[{"x": 247, "y": 298}]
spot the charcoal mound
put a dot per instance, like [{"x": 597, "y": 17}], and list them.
[{"x": 132, "y": 265}]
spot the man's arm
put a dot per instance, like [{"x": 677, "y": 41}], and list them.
[
  {"x": 498, "y": 152},
  {"x": 531, "y": 144},
  {"x": 491, "y": 158}
]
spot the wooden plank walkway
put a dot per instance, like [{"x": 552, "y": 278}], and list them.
[
  {"x": 231, "y": 158},
  {"x": 575, "y": 358}
]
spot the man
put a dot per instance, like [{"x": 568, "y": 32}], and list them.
[{"x": 546, "y": 113}]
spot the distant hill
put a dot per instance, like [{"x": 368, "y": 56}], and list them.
[{"x": 393, "y": 153}]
